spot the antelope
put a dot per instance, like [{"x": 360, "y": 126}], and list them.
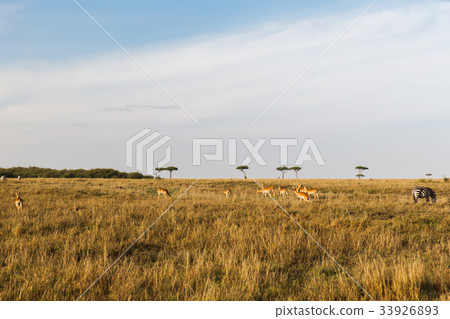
[
  {"x": 163, "y": 191},
  {"x": 266, "y": 191},
  {"x": 19, "y": 202},
  {"x": 283, "y": 191},
  {"x": 299, "y": 188},
  {"x": 3, "y": 178},
  {"x": 303, "y": 196},
  {"x": 227, "y": 192},
  {"x": 269, "y": 188},
  {"x": 19, "y": 178},
  {"x": 303, "y": 189},
  {"x": 313, "y": 192}
]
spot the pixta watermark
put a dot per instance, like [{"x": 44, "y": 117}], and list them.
[
  {"x": 305, "y": 152},
  {"x": 142, "y": 147}
]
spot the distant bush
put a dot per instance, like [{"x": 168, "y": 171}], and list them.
[
  {"x": 135, "y": 175},
  {"x": 445, "y": 178},
  {"x": 36, "y": 172},
  {"x": 424, "y": 180}
]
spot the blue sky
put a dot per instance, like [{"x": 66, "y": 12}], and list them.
[
  {"x": 55, "y": 29},
  {"x": 59, "y": 29},
  {"x": 378, "y": 97}
]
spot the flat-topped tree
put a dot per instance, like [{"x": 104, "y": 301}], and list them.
[
  {"x": 242, "y": 168},
  {"x": 171, "y": 169},
  {"x": 282, "y": 169},
  {"x": 295, "y": 169},
  {"x": 428, "y": 174},
  {"x": 360, "y": 170}
]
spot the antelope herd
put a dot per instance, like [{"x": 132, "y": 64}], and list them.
[
  {"x": 300, "y": 191},
  {"x": 303, "y": 193}
]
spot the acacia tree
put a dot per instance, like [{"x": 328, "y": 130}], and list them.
[
  {"x": 242, "y": 168},
  {"x": 360, "y": 170},
  {"x": 171, "y": 169},
  {"x": 282, "y": 169},
  {"x": 296, "y": 169}
]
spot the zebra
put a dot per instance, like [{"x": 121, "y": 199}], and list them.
[{"x": 423, "y": 192}]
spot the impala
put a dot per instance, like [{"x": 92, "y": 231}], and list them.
[
  {"x": 303, "y": 196},
  {"x": 300, "y": 188},
  {"x": 19, "y": 202},
  {"x": 283, "y": 191},
  {"x": 227, "y": 192},
  {"x": 163, "y": 191},
  {"x": 266, "y": 191},
  {"x": 313, "y": 192},
  {"x": 269, "y": 188}
]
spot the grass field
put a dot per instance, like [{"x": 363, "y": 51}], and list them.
[{"x": 207, "y": 247}]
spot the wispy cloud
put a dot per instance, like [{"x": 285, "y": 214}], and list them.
[{"x": 240, "y": 73}]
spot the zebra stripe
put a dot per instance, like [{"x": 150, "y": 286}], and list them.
[{"x": 423, "y": 192}]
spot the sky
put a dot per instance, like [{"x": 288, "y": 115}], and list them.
[{"x": 371, "y": 89}]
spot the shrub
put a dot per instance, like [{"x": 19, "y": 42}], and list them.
[{"x": 135, "y": 175}]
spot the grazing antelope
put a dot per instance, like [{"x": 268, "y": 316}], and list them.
[
  {"x": 303, "y": 196},
  {"x": 266, "y": 191},
  {"x": 283, "y": 191},
  {"x": 19, "y": 202},
  {"x": 163, "y": 191},
  {"x": 227, "y": 192},
  {"x": 313, "y": 192},
  {"x": 19, "y": 178},
  {"x": 3, "y": 178}
]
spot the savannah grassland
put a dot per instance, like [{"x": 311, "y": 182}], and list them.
[{"x": 207, "y": 247}]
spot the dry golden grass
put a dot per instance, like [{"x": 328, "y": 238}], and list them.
[{"x": 208, "y": 247}]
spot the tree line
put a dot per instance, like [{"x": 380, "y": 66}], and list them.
[
  {"x": 296, "y": 169},
  {"x": 39, "y": 172},
  {"x": 282, "y": 169}
]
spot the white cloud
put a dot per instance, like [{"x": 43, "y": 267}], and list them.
[{"x": 391, "y": 67}]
